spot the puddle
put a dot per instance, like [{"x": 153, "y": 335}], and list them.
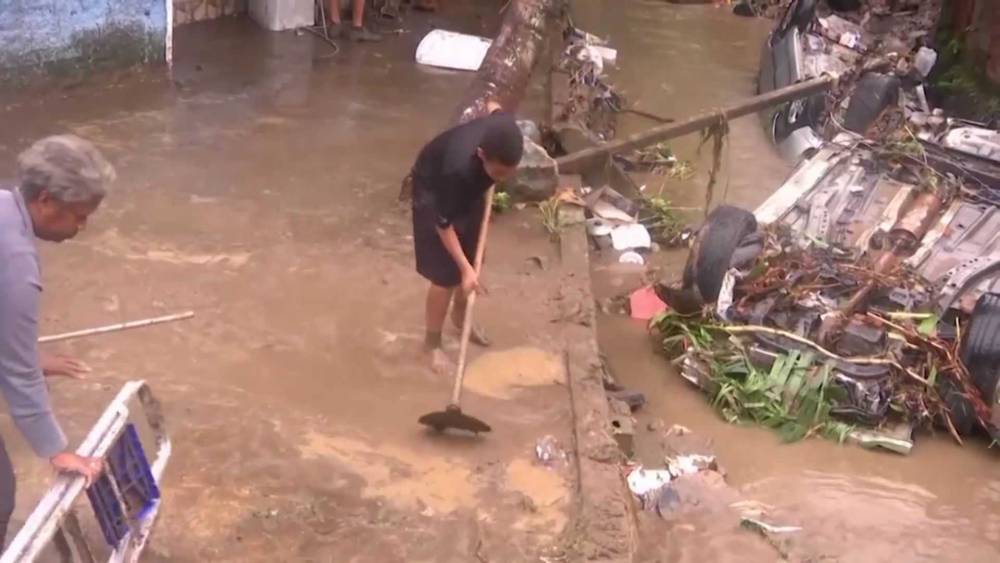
[{"x": 503, "y": 374}]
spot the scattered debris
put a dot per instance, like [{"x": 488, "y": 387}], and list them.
[
  {"x": 631, "y": 257},
  {"x": 629, "y": 236},
  {"x": 548, "y": 451},
  {"x": 645, "y": 305},
  {"x": 448, "y": 49}
]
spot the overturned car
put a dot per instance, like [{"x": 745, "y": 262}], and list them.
[{"x": 860, "y": 301}]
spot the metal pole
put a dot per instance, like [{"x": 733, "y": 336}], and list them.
[{"x": 573, "y": 162}]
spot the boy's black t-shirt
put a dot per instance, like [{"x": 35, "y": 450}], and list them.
[{"x": 449, "y": 175}]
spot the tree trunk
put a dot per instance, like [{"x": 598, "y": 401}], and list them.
[{"x": 506, "y": 70}]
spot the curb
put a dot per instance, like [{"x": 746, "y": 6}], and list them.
[{"x": 604, "y": 525}]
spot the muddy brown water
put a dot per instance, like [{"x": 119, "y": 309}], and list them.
[{"x": 941, "y": 503}]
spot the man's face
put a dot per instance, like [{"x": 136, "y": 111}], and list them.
[
  {"x": 56, "y": 221},
  {"x": 498, "y": 171}
]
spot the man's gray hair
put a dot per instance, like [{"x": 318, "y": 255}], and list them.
[{"x": 69, "y": 168}]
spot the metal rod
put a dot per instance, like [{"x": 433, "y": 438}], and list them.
[
  {"x": 116, "y": 327},
  {"x": 573, "y": 162}
]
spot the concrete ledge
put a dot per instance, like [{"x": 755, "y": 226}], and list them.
[{"x": 604, "y": 526}]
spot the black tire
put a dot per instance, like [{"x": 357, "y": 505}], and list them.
[
  {"x": 799, "y": 14},
  {"x": 726, "y": 227},
  {"x": 980, "y": 351},
  {"x": 873, "y": 94}
]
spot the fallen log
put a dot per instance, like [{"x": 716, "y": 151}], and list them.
[
  {"x": 506, "y": 70},
  {"x": 576, "y": 161}
]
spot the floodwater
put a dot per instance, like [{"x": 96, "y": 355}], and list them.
[{"x": 941, "y": 503}]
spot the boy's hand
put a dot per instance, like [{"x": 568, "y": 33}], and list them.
[{"x": 470, "y": 280}]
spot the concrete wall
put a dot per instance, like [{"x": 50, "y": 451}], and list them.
[
  {"x": 63, "y": 37},
  {"x": 187, "y": 11}
]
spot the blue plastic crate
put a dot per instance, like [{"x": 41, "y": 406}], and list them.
[{"x": 127, "y": 464}]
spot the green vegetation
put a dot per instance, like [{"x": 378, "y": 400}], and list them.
[
  {"x": 794, "y": 396},
  {"x": 501, "y": 202}
]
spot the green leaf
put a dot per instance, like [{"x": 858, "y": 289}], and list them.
[{"x": 928, "y": 327}]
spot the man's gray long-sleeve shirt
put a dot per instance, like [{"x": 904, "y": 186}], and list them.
[{"x": 21, "y": 381}]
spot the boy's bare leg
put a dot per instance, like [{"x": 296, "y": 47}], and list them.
[
  {"x": 436, "y": 310},
  {"x": 478, "y": 334}
]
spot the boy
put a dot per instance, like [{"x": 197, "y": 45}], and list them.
[{"x": 451, "y": 175}]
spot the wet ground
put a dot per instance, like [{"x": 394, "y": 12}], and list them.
[
  {"x": 257, "y": 186},
  {"x": 942, "y": 503}
]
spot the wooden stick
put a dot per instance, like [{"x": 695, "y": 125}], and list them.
[
  {"x": 116, "y": 327},
  {"x": 574, "y": 161},
  {"x": 463, "y": 350}
]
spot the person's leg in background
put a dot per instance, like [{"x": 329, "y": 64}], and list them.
[
  {"x": 8, "y": 488},
  {"x": 358, "y": 31}
]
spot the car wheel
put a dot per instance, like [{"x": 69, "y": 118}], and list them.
[
  {"x": 725, "y": 231},
  {"x": 799, "y": 14},
  {"x": 980, "y": 351}
]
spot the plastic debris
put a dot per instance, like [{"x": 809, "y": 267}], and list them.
[
  {"x": 457, "y": 51},
  {"x": 548, "y": 450},
  {"x": 925, "y": 60},
  {"x": 765, "y": 528},
  {"x": 646, "y": 484},
  {"x": 626, "y": 237},
  {"x": 897, "y": 438},
  {"x": 644, "y": 304},
  {"x": 597, "y": 227},
  {"x": 606, "y": 210},
  {"x": 690, "y": 464},
  {"x": 631, "y": 257}
]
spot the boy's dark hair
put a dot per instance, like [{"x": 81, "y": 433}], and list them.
[{"x": 503, "y": 142}]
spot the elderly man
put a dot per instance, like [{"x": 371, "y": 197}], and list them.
[{"x": 61, "y": 181}]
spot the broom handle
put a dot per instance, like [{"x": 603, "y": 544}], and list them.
[{"x": 456, "y": 393}]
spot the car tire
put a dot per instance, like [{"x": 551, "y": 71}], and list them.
[
  {"x": 711, "y": 257},
  {"x": 799, "y": 14},
  {"x": 873, "y": 94},
  {"x": 980, "y": 350}
]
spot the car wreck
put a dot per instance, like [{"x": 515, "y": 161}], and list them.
[{"x": 861, "y": 301}]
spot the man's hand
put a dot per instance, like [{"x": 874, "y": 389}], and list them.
[
  {"x": 64, "y": 366},
  {"x": 492, "y": 106},
  {"x": 68, "y": 462},
  {"x": 470, "y": 280}
]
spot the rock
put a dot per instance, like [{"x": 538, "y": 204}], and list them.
[
  {"x": 530, "y": 130},
  {"x": 537, "y": 176},
  {"x": 634, "y": 399}
]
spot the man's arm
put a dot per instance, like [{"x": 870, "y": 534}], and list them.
[{"x": 21, "y": 380}]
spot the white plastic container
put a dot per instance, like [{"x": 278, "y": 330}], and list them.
[
  {"x": 447, "y": 49},
  {"x": 279, "y": 15}
]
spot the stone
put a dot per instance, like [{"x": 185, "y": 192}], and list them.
[
  {"x": 537, "y": 176},
  {"x": 530, "y": 130}
]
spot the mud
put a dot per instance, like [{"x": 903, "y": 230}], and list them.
[
  {"x": 257, "y": 186},
  {"x": 939, "y": 504}
]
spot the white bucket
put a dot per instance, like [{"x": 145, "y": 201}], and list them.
[{"x": 447, "y": 49}]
